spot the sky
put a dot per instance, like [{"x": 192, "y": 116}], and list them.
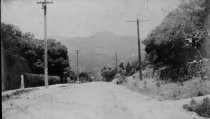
[{"x": 81, "y": 18}]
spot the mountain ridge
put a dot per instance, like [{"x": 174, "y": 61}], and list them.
[{"x": 98, "y": 50}]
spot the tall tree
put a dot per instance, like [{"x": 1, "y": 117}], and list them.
[
  {"x": 179, "y": 39},
  {"x": 24, "y": 54}
]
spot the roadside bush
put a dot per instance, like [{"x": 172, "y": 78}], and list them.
[
  {"x": 202, "y": 109},
  {"x": 108, "y": 74},
  {"x": 54, "y": 80},
  {"x": 130, "y": 70},
  {"x": 120, "y": 78},
  {"x": 84, "y": 77},
  {"x": 34, "y": 80}
]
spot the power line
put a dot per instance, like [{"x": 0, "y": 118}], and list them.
[{"x": 44, "y": 6}]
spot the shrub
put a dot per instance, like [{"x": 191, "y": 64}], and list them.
[
  {"x": 108, "y": 74},
  {"x": 34, "y": 80},
  {"x": 202, "y": 109},
  {"x": 130, "y": 70},
  {"x": 84, "y": 77},
  {"x": 54, "y": 80},
  {"x": 120, "y": 78}
]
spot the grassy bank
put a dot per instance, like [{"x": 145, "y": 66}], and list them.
[{"x": 168, "y": 90}]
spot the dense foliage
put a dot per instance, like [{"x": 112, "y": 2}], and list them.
[
  {"x": 130, "y": 68},
  {"x": 22, "y": 53},
  {"x": 180, "y": 39},
  {"x": 108, "y": 74},
  {"x": 202, "y": 109},
  {"x": 84, "y": 77}
]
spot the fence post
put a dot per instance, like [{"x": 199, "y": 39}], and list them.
[{"x": 22, "y": 82}]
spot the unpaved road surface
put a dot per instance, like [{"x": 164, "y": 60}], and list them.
[{"x": 97, "y": 100}]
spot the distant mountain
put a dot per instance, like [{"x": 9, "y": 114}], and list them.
[{"x": 99, "y": 50}]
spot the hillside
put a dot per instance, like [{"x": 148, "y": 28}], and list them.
[
  {"x": 99, "y": 50},
  {"x": 96, "y": 100}
]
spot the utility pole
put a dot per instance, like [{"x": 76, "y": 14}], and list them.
[
  {"x": 116, "y": 61},
  {"x": 44, "y": 6},
  {"x": 77, "y": 65},
  {"x": 2, "y": 66},
  {"x": 139, "y": 45}
]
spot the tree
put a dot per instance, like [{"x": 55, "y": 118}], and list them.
[
  {"x": 84, "y": 77},
  {"x": 57, "y": 57},
  {"x": 72, "y": 75},
  {"x": 14, "y": 63},
  {"x": 121, "y": 66},
  {"x": 129, "y": 70},
  {"x": 108, "y": 73},
  {"x": 179, "y": 39},
  {"x": 23, "y": 53}
]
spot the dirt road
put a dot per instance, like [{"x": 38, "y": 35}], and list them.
[{"x": 97, "y": 100}]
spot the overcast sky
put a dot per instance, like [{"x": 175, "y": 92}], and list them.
[{"x": 72, "y": 18}]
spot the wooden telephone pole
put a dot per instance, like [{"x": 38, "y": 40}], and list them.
[
  {"x": 44, "y": 6},
  {"x": 139, "y": 46},
  {"x": 77, "y": 66},
  {"x": 116, "y": 61}
]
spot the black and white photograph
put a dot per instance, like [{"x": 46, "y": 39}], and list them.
[{"x": 105, "y": 59}]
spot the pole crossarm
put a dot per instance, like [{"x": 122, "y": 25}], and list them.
[
  {"x": 141, "y": 20},
  {"x": 131, "y": 21},
  {"x": 47, "y": 2},
  {"x": 44, "y": 4}
]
